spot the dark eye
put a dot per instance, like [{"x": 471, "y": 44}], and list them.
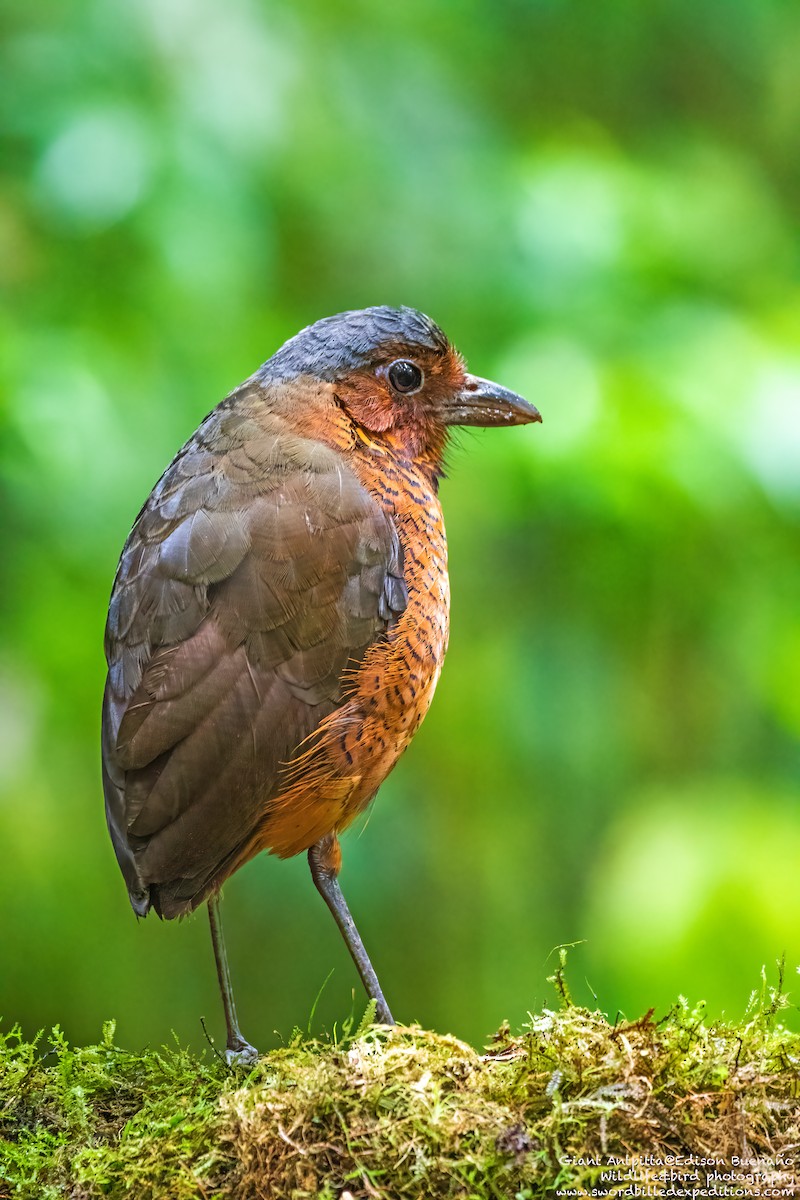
[{"x": 405, "y": 376}]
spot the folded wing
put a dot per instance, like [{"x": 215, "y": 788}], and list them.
[{"x": 258, "y": 569}]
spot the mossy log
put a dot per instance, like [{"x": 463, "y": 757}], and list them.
[{"x": 571, "y": 1105}]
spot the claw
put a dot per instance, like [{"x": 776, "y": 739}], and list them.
[{"x": 241, "y": 1054}]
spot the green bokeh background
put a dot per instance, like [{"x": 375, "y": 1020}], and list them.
[{"x": 599, "y": 204}]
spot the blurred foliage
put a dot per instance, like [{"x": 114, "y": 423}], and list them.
[{"x": 598, "y": 203}]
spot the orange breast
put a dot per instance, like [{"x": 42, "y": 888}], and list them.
[{"x": 356, "y": 747}]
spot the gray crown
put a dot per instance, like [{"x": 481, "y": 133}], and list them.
[{"x": 333, "y": 346}]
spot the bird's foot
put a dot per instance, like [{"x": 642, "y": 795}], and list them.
[{"x": 240, "y": 1053}]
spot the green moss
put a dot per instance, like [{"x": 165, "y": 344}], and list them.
[
  {"x": 101, "y": 1121},
  {"x": 410, "y": 1113}
]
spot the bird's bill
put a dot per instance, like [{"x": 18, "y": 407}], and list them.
[{"x": 481, "y": 402}]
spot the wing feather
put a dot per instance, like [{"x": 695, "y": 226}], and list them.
[{"x": 257, "y": 571}]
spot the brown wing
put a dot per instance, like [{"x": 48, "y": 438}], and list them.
[{"x": 258, "y": 568}]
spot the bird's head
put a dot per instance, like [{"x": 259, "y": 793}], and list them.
[{"x": 397, "y": 377}]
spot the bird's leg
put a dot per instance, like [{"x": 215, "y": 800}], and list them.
[
  {"x": 325, "y": 859},
  {"x": 239, "y": 1050}
]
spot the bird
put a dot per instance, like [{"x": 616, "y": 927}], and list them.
[{"x": 280, "y": 615}]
